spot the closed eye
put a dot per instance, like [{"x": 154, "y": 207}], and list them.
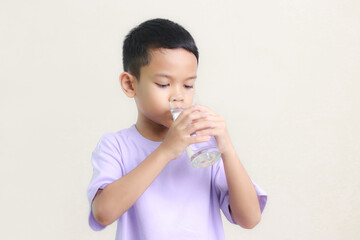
[
  {"x": 165, "y": 85},
  {"x": 162, "y": 85}
]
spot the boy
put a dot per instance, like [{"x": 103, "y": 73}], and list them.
[{"x": 142, "y": 177}]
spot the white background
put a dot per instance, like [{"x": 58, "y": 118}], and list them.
[{"x": 284, "y": 74}]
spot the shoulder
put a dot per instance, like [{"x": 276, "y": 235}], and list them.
[
  {"x": 110, "y": 139},
  {"x": 115, "y": 136},
  {"x": 117, "y": 139}
]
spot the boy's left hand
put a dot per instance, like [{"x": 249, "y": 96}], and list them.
[{"x": 218, "y": 130}]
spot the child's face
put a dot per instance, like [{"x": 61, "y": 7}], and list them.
[{"x": 170, "y": 72}]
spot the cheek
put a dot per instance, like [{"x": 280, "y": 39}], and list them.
[
  {"x": 157, "y": 98},
  {"x": 144, "y": 95},
  {"x": 158, "y": 103},
  {"x": 155, "y": 102}
]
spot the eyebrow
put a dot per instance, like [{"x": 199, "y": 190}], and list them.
[{"x": 169, "y": 77}]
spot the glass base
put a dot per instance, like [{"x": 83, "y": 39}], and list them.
[{"x": 205, "y": 158}]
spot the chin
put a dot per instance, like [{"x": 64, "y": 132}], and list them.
[{"x": 168, "y": 123}]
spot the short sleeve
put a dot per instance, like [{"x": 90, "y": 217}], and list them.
[
  {"x": 223, "y": 192},
  {"x": 107, "y": 168}
]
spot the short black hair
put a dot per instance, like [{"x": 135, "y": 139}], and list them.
[{"x": 153, "y": 34}]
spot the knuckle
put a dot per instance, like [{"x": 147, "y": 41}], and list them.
[{"x": 201, "y": 124}]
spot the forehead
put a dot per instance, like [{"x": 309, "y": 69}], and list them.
[{"x": 176, "y": 62}]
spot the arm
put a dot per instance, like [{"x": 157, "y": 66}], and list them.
[
  {"x": 244, "y": 204},
  {"x": 116, "y": 198}
]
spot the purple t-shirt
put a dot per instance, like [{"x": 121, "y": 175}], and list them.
[{"x": 182, "y": 203}]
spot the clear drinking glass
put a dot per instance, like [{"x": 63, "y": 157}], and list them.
[{"x": 202, "y": 154}]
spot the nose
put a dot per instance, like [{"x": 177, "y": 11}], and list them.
[{"x": 177, "y": 97}]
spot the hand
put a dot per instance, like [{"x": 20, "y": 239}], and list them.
[
  {"x": 217, "y": 129},
  {"x": 178, "y": 137}
]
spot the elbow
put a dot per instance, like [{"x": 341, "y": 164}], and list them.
[
  {"x": 250, "y": 222},
  {"x": 103, "y": 220},
  {"x": 102, "y": 216}
]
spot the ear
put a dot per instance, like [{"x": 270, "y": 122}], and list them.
[{"x": 127, "y": 82}]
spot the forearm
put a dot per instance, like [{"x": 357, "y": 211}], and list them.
[
  {"x": 243, "y": 200},
  {"x": 119, "y": 196}
]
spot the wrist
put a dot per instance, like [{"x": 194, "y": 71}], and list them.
[
  {"x": 225, "y": 145},
  {"x": 165, "y": 152},
  {"x": 228, "y": 152}
]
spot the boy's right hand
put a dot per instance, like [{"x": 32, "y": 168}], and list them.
[{"x": 179, "y": 134}]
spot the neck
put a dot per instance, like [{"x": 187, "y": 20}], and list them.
[{"x": 151, "y": 130}]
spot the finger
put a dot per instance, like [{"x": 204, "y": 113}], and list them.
[
  {"x": 188, "y": 111},
  {"x": 192, "y": 117},
  {"x": 206, "y": 109},
  {"x": 200, "y": 126},
  {"x": 198, "y": 139},
  {"x": 206, "y": 132},
  {"x": 215, "y": 118},
  {"x": 199, "y": 116}
]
